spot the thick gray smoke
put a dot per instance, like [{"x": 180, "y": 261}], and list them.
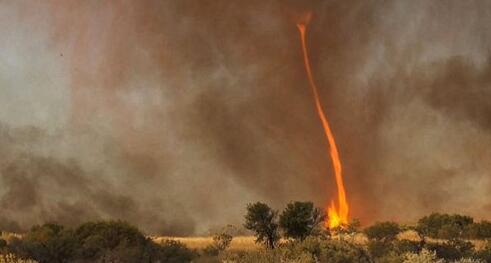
[{"x": 173, "y": 115}]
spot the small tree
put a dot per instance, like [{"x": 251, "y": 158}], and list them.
[
  {"x": 300, "y": 219},
  {"x": 261, "y": 219}
]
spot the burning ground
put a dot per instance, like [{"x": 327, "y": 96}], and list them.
[{"x": 175, "y": 114}]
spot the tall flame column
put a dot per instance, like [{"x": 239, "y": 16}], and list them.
[{"x": 337, "y": 215}]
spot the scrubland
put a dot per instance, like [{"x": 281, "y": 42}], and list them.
[{"x": 437, "y": 238}]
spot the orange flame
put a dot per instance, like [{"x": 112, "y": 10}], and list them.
[{"x": 337, "y": 215}]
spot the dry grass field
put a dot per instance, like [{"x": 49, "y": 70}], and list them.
[
  {"x": 247, "y": 242},
  {"x": 238, "y": 242}
]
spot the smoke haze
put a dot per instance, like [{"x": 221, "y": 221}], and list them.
[{"x": 173, "y": 115}]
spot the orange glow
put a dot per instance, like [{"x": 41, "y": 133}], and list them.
[{"x": 337, "y": 215}]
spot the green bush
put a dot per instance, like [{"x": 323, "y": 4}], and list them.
[
  {"x": 425, "y": 256},
  {"x": 391, "y": 257},
  {"x": 117, "y": 241},
  {"x": 444, "y": 226},
  {"x": 112, "y": 241},
  {"x": 3, "y": 243},
  {"x": 378, "y": 249},
  {"x": 384, "y": 231},
  {"x": 452, "y": 249},
  {"x": 384, "y": 251},
  {"x": 481, "y": 230},
  {"x": 49, "y": 243},
  {"x": 407, "y": 246},
  {"x": 251, "y": 256},
  {"x": 97, "y": 238},
  {"x": 331, "y": 251},
  {"x": 172, "y": 251},
  {"x": 310, "y": 250}
]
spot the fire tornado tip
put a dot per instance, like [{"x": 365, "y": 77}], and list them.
[{"x": 304, "y": 19}]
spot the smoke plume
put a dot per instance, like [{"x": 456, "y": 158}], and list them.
[{"x": 173, "y": 115}]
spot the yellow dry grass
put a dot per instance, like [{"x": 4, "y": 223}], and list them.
[
  {"x": 10, "y": 258},
  {"x": 247, "y": 242},
  {"x": 8, "y": 236}
]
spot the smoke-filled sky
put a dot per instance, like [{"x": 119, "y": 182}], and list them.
[{"x": 173, "y": 115}]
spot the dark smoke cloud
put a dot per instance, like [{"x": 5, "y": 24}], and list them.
[
  {"x": 175, "y": 114},
  {"x": 464, "y": 104},
  {"x": 39, "y": 189}
]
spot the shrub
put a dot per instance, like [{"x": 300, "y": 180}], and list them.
[
  {"x": 310, "y": 250},
  {"x": 385, "y": 231},
  {"x": 261, "y": 219},
  {"x": 257, "y": 256},
  {"x": 3, "y": 243},
  {"x": 484, "y": 254},
  {"x": 117, "y": 241},
  {"x": 384, "y": 251},
  {"x": 425, "y": 256},
  {"x": 335, "y": 251},
  {"x": 172, "y": 251},
  {"x": 96, "y": 239},
  {"x": 211, "y": 250},
  {"x": 112, "y": 241},
  {"x": 468, "y": 260},
  {"x": 452, "y": 249},
  {"x": 481, "y": 230},
  {"x": 300, "y": 219},
  {"x": 378, "y": 249},
  {"x": 220, "y": 243},
  {"x": 391, "y": 257},
  {"x": 3, "y": 247},
  {"x": 49, "y": 243},
  {"x": 330, "y": 251},
  {"x": 443, "y": 225},
  {"x": 407, "y": 246}
]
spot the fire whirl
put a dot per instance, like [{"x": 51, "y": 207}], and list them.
[{"x": 337, "y": 214}]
